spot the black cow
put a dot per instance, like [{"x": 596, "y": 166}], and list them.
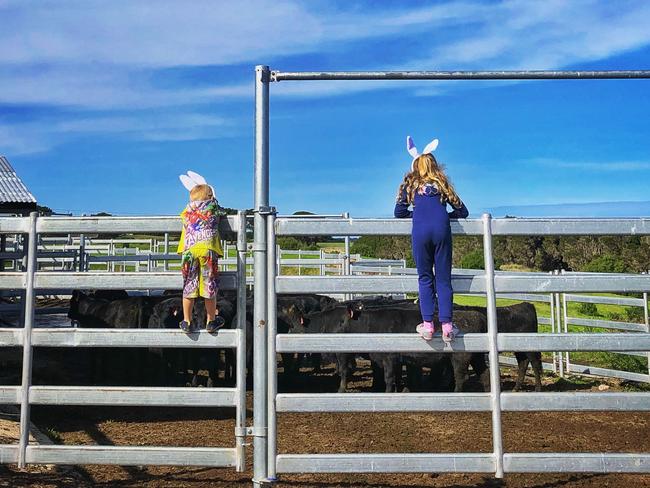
[
  {"x": 349, "y": 319},
  {"x": 167, "y": 315},
  {"x": 521, "y": 317},
  {"x": 128, "y": 313}
]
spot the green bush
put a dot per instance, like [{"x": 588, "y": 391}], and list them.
[
  {"x": 628, "y": 363},
  {"x": 634, "y": 314},
  {"x": 293, "y": 244},
  {"x": 606, "y": 264},
  {"x": 588, "y": 309},
  {"x": 473, "y": 260}
]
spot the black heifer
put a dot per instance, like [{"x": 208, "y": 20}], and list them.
[
  {"x": 521, "y": 317},
  {"x": 167, "y": 315},
  {"x": 349, "y": 319},
  {"x": 129, "y": 313}
]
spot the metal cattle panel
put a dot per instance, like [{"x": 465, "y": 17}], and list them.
[{"x": 26, "y": 394}]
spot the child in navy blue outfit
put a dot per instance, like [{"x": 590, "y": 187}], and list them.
[{"x": 429, "y": 191}]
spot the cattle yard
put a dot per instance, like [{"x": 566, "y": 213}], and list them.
[{"x": 574, "y": 432}]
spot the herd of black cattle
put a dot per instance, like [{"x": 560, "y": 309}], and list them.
[{"x": 296, "y": 314}]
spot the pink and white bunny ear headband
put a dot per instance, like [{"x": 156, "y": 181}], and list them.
[
  {"x": 413, "y": 151},
  {"x": 191, "y": 179}
]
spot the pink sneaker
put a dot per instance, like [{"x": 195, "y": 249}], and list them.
[
  {"x": 449, "y": 331},
  {"x": 425, "y": 331}
]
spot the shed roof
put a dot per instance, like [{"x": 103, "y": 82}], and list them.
[{"x": 12, "y": 189}]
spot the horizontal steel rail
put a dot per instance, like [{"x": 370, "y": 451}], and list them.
[
  {"x": 504, "y": 283},
  {"x": 77, "y": 337},
  {"x": 461, "y": 402},
  {"x": 505, "y": 226},
  {"x": 121, "y": 225},
  {"x": 577, "y": 462},
  {"x": 123, "y": 396},
  {"x": 132, "y": 455},
  {"x": 348, "y": 343},
  {"x": 605, "y": 372},
  {"x": 385, "y": 463},
  {"x": 606, "y": 324},
  {"x": 633, "y": 302},
  {"x": 464, "y": 463},
  {"x": 277, "y": 76},
  {"x": 342, "y": 343},
  {"x": 45, "y": 280}
]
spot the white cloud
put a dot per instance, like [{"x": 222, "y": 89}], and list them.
[
  {"x": 105, "y": 56},
  {"x": 592, "y": 166}
]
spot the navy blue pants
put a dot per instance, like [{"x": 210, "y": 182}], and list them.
[{"x": 432, "y": 247}]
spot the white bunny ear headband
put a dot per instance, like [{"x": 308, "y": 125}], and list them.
[
  {"x": 413, "y": 151},
  {"x": 191, "y": 179}
]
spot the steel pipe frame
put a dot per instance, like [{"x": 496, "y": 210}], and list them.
[
  {"x": 400, "y": 462},
  {"x": 260, "y": 313},
  {"x": 277, "y": 76}
]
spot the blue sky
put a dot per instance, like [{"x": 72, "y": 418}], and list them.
[{"x": 103, "y": 104}]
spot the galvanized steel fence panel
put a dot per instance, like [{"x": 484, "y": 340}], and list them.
[{"x": 27, "y": 337}]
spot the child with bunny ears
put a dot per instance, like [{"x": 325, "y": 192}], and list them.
[
  {"x": 200, "y": 248},
  {"x": 428, "y": 190}
]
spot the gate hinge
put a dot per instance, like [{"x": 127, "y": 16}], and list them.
[
  {"x": 256, "y": 431},
  {"x": 266, "y": 210}
]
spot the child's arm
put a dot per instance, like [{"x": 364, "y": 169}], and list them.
[
  {"x": 459, "y": 212},
  {"x": 402, "y": 207}
]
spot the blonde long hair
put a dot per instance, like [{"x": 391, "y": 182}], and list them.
[{"x": 427, "y": 170}]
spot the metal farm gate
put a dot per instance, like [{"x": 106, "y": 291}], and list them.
[
  {"x": 29, "y": 337},
  {"x": 267, "y": 462}
]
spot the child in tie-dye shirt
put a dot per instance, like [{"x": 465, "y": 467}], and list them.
[{"x": 200, "y": 248}]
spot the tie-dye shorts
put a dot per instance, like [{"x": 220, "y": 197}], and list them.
[{"x": 200, "y": 274}]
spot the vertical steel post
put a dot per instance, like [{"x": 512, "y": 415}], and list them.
[
  {"x": 495, "y": 376},
  {"x": 558, "y": 324},
  {"x": 646, "y": 319},
  {"x": 272, "y": 373},
  {"x": 565, "y": 319},
  {"x": 262, "y": 76},
  {"x": 166, "y": 249},
  {"x": 346, "y": 257},
  {"x": 240, "y": 425},
  {"x": 322, "y": 266},
  {"x": 552, "y": 303},
  {"x": 82, "y": 252},
  {"x": 27, "y": 341}
]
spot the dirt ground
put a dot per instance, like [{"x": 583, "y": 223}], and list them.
[{"x": 339, "y": 433}]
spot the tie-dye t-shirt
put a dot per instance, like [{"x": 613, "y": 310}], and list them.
[{"x": 200, "y": 228}]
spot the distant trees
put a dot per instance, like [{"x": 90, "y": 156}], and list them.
[{"x": 612, "y": 254}]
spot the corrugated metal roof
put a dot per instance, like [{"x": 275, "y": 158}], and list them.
[{"x": 12, "y": 189}]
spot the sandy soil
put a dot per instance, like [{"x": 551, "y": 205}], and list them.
[{"x": 339, "y": 433}]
